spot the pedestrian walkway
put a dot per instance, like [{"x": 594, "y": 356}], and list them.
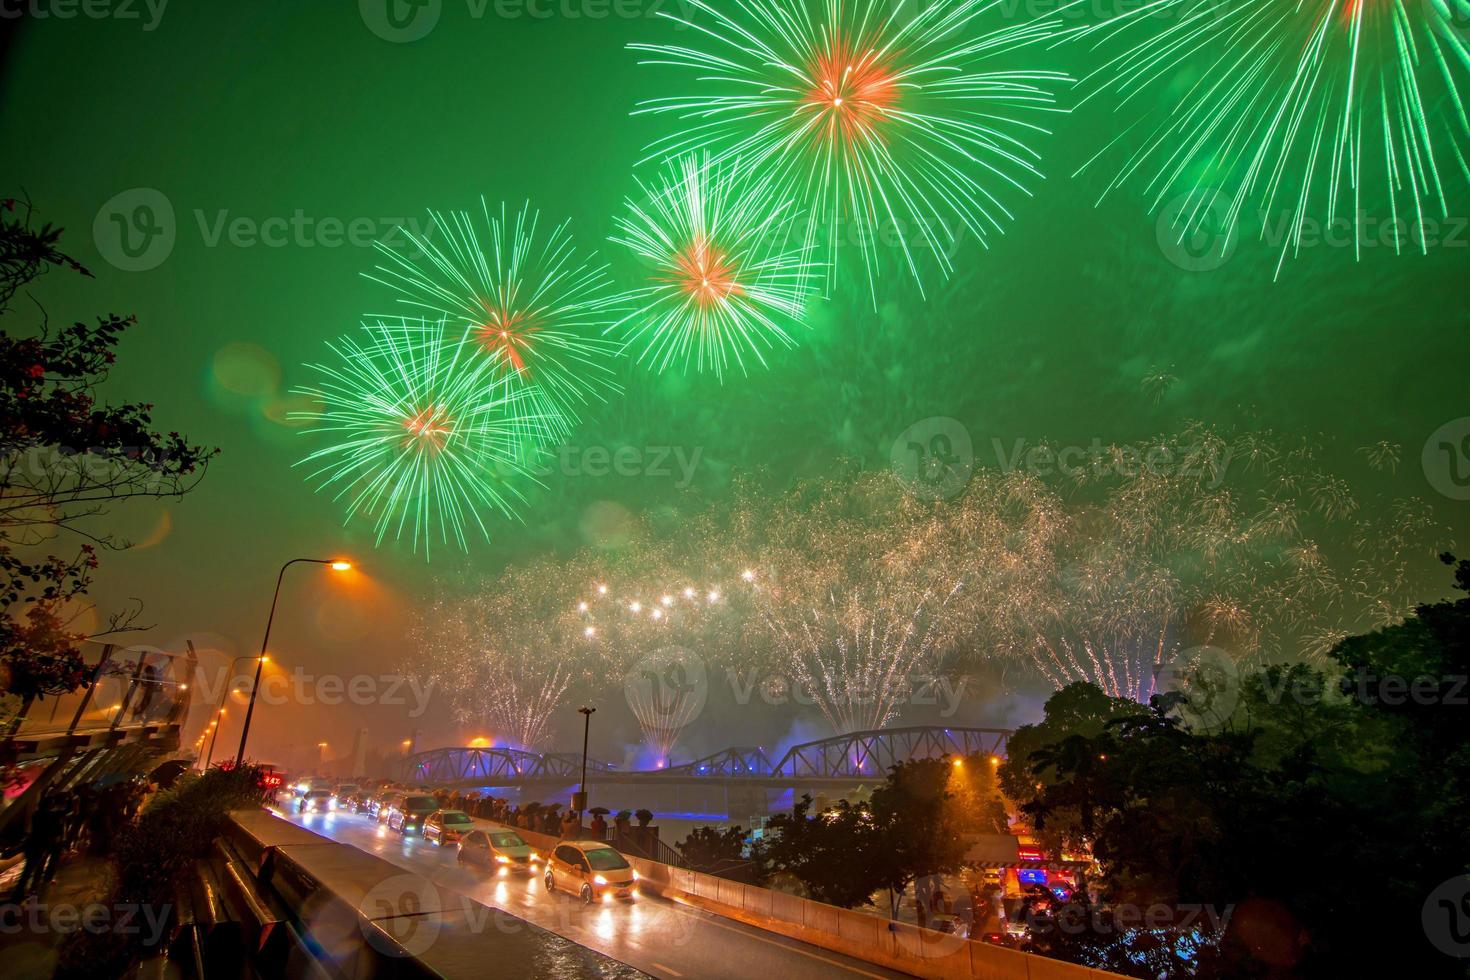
[{"x": 32, "y": 929}]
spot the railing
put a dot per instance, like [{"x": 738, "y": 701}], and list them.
[
  {"x": 127, "y": 686},
  {"x": 900, "y": 946}
]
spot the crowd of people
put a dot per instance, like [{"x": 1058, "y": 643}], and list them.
[
  {"x": 84, "y": 820},
  {"x": 543, "y": 818}
]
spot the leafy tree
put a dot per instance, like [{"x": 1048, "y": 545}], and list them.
[
  {"x": 1320, "y": 816},
  {"x": 913, "y": 826},
  {"x": 921, "y": 832},
  {"x": 65, "y": 457},
  {"x": 818, "y": 851},
  {"x": 1072, "y": 716},
  {"x": 708, "y": 848}
]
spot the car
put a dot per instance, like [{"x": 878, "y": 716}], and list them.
[
  {"x": 502, "y": 850},
  {"x": 447, "y": 826},
  {"x": 387, "y": 803},
  {"x": 591, "y": 870},
  {"x": 948, "y": 923},
  {"x": 344, "y": 794},
  {"x": 410, "y": 812},
  {"x": 318, "y": 800}
]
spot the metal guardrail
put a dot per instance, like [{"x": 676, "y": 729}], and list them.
[{"x": 126, "y": 717}]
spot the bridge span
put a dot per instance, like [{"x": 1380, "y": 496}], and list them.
[{"x": 837, "y": 762}]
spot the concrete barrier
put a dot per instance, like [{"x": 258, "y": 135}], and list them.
[{"x": 897, "y": 945}]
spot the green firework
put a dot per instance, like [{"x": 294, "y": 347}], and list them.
[
  {"x": 1313, "y": 117},
  {"x": 888, "y": 123},
  {"x": 524, "y": 299},
  {"x": 424, "y": 436},
  {"x": 728, "y": 276}
]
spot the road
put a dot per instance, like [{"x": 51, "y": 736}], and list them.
[{"x": 662, "y": 938}]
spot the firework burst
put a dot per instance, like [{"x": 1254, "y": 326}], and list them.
[
  {"x": 500, "y": 653},
  {"x": 887, "y": 122},
  {"x": 655, "y": 626},
  {"x": 424, "y": 439},
  {"x": 525, "y": 299},
  {"x": 1312, "y": 114},
  {"x": 728, "y": 279}
]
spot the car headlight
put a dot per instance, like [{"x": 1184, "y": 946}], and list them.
[
  {"x": 535, "y": 856},
  {"x": 635, "y": 874},
  {"x": 501, "y": 859},
  {"x": 599, "y": 880}
]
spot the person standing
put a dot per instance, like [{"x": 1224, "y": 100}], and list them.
[{"x": 42, "y": 847}]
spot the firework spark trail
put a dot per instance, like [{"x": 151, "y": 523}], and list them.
[
  {"x": 867, "y": 590},
  {"x": 1147, "y": 563},
  {"x": 424, "y": 438},
  {"x": 1312, "y": 109},
  {"x": 859, "y": 653},
  {"x": 644, "y": 619},
  {"x": 505, "y": 654},
  {"x": 524, "y": 297},
  {"x": 728, "y": 280},
  {"x": 899, "y": 119}
]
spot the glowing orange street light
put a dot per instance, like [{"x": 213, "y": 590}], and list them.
[{"x": 337, "y": 565}]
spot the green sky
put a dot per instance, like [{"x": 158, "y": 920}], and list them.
[{"x": 274, "y": 110}]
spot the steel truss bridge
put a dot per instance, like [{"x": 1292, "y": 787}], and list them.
[{"x": 843, "y": 760}]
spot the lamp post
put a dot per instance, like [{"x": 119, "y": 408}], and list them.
[
  {"x": 337, "y": 565},
  {"x": 219, "y": 713},
  {"x": 579, "y": 798}
]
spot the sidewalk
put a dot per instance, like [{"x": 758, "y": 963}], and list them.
[{"x": 28, "y": 951}]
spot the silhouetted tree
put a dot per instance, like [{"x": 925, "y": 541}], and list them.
[{"x": 65, "y": 456}]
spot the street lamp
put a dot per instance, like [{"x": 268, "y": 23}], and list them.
[
  {"x": 579, "y": 798},
  {"x": 337, "y": 565}
]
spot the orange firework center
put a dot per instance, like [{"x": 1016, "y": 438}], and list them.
[
  {"x": 507, "y": 334},
  {"x": 855, "y": 92},
  {"x": 429, "y": 428},
  {"x": 705, "y": 273}
]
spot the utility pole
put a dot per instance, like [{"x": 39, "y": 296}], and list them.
[{"x": 579, "y": 798}]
